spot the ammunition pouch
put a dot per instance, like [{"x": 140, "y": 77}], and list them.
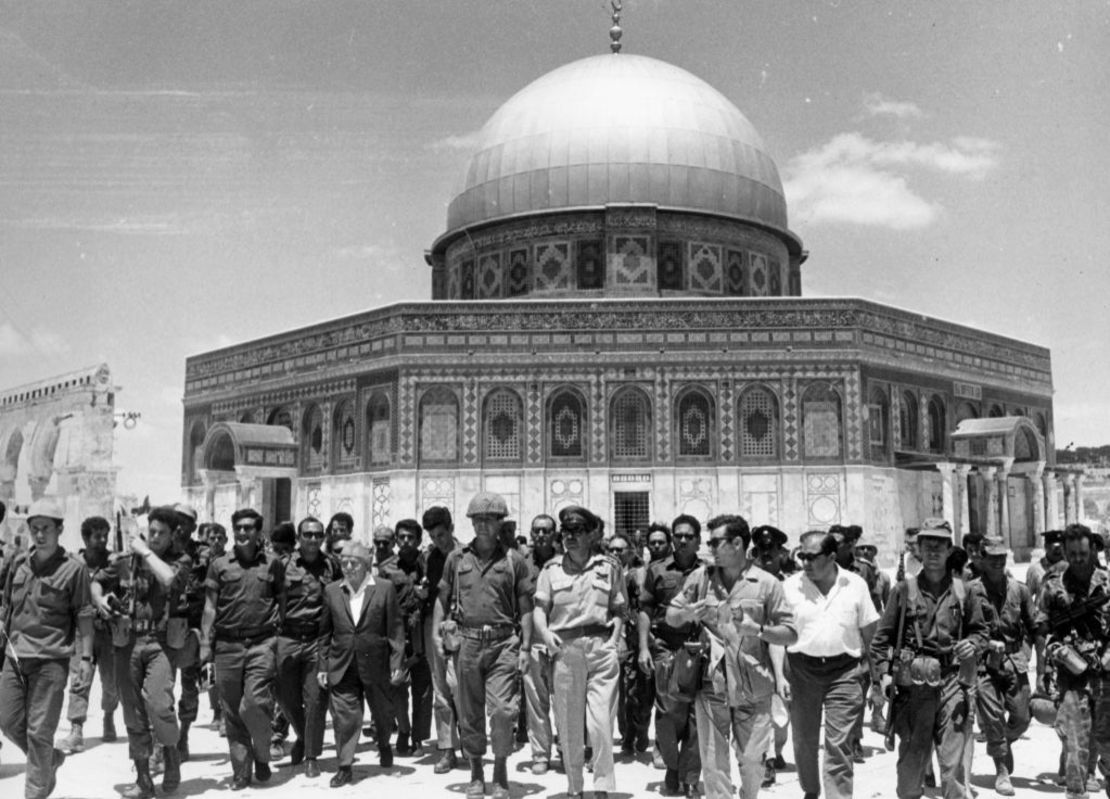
[
  {"x": 919, "y": 670},
  {"x": 449, "y": 633}
]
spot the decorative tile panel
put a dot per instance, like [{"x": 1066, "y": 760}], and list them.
[
  {"x": 790, "y": 418},
  {"x": 491, "y": 283},
  {"x": 734, "y": 273},
  {"x": 823, "y": 499},
  {"x": 706, "y": 273},
  {"x": 669, "y": 271},
  {"x": 856, "y": 430},
  {"x": 725, "y": 414},
  {"x": 662, "y": 414},
  {"x": 758, "y": 279},
  {"x": 564, "y": 491},
  {"x": 381, "y": 497},
  {"x": 520, "y": 272},
  {"x": 590, "y": 264},
  {"x": 775, "y": 284},
  {"x": 759, "y": 499},
  {"x": 696, "y": 496},
  {"x": 599, "y": 447},
  {"x": 470, "y": 413},
  {"x": 551, "y": 266},
  {"x": 534, "y": 423},
  {"x": 629, "y": 262},
  {"x": 437, "y": 491}
]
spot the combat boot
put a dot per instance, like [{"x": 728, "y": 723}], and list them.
[
  {"x": 476, "y": 789},
  {"x": 171, "y": 775},
  {"x": 75, "y": 741},
  {"x": 183, "y": 742},
  {"x": 109, "y": 735},
  {"x": 144, "y": 785},
  {"x": 1002, "y": 784}
]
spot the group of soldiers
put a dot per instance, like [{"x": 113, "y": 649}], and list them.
[{"x": 551, "y": 640}]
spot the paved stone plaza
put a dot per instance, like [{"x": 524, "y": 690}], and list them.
[{"x": 103, "y": 770}]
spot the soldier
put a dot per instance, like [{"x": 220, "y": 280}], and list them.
[
  {"x": 1053, "y": 560},
  {"x": 361, "y": 654},
  {"x": 441, "y": 530},
  {"x": 405, "y": 569},
  {"x": 491, "y": 592},
  {"x": 45, "y": 602},
  {"x": 931, "y": 633},
  {"x": 637, "y": 689},
  {"x": 189, "y": 607},
  {"x": 138, "y": 593},
  {"x": 1003, "y": 696},
  {"x": 538, "y": 688},
  {"x": 282, "y": 542},
  {"x": 676, "y": 732},
  {"x": 212, "y": 543},
  {"x": 658, "y": 542},
  {"x": 742, "y": 610},
  {"x": 880, "y": 595},
  {"x": 303, "y": 701},
  {"x": 241, "y": 617},
  {"x": 1074, "y": 615},
  {"x": 582, "y": 633},
  {"x": 95, "y": 531}
]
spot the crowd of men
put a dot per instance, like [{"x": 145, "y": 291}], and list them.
[{"x": 701, "y": 642}]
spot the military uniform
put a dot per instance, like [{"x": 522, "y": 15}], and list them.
[
  {"x": 734, "y": 701},
  {"x": 103, "y": 656},
  {"x": 936, "y": 618},
  {"x": 444, "y": 682},
  {"x": 244, "y": 633},
  {"x": 147, "y": 641},
  {"x": 580, "y": 605},
  {"x": 538, "y": 687},
  {"x": 675, "y": 728},
  {"x": 41, "y": 607},
  {"x": 637, "y": 689},
  {"x": 1083, "y": 716},
  {"x": 405, "y": 576},
  {"x": 490, "y": 597},
  {"x": 190, "y": 607},
  {"x": 303, "y": 702}
]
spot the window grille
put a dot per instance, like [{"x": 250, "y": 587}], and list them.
[
  {"x": 630, "y": 426},
  {"x": 380, "y": 430},
  {"x": 695, "y": 417},
  {"x": 567, "y": 424},
  {"x": 439, "y": 426},
  {"x": 631, "y": 510},
  {"x": 759, "y": 431},
  {"x": 502, "y": 426}
]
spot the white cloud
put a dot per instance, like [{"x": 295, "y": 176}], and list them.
[
  {"x": 40, "y": 341},
  {"x": 464, "y": 142},
  {"x": 876, "y": 105},
  {"x": 857, "y": 180}
]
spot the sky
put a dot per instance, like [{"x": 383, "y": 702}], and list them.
[{"x": 181, "y": 176}]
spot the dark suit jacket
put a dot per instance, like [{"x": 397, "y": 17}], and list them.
[{"x": 375, "y": 641}]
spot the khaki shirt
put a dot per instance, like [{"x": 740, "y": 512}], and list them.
[
  {"x": 579, "y": 598},
  {"x": 740, "y": 665},
  {"x": 496, "y": 592},
  {"x": 43, "y": 603},
  {"x": 152, "y": 602},
  {"x": 246, "y": 593}
]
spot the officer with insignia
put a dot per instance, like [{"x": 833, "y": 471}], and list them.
[
  {"x": 239, "y": 628},
  {"x": 1074, "y": 615},
  {"x": 579, "y": 616},
  {"x": 538, "y": 688},
  {"x": 45, "y": 601},
  {"x": 928, "y": 642},
  {"x": 95, "y": 531},
  {"x": 139, "y": 592},
  {"x": 676, "y": 732},
  {"x": 1003, "y": 696},
  {"x": 488, "y": 591},
  {"x": 308, "y": 571}
]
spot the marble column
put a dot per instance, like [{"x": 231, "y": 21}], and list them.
[
  {"x": 991, "y": 486},
  {"x": 1069, "y": 492},
  {"x": 1051, "y": 502},
  {"x": 1080, "y": 515},
  {"x": 1037, "y": 484},
  {"x": 963, "y": 499},
  {"x": 1003, "y": 477},
  {"x": 947, "y": 496}
]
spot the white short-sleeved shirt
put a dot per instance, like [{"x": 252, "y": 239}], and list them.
[{"x": 829, "y": 624}]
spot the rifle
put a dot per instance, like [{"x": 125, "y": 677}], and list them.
[
  {"x": 894, "y": 669},
  {"x": 1076, "y": 615}
]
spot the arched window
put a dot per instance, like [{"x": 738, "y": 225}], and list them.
[
  {"x": 937, "y": 424},
  {"x": 312, "y": 439},
  {"x": 821, "y": 426},
  {"x": 379, "y": 430},
  {"x": 630, "y": 423},
  {"x": 694, "y": 424},
  {"x": 759, "y": 424},
  {"x": 567, "y": 425},
  {"x": 344, "y": 433},
  {"x": 907, "y": 420},
  {"x": 996, "y": 412},
  {"x": 502, "y": 423},
  {"x": 965, "y": 410},
  {"x": 247, "y": 417},
  {"x": 282, "y": 417},
  {"x": 878, "y": 418},
  {"x": 439, "y": 426}
]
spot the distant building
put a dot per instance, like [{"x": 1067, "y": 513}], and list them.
[{"x": 617, "y": 320}]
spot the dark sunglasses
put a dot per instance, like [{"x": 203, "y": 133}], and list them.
[
  {"x": 313, "y": 534},
  {"x": 683, "y": 536},
  {"x": 806, "y": 557},
  {"x": 713, "y": 543},
  {"x": 249, "y": 527},
  {"x": 572, "y": 531}
]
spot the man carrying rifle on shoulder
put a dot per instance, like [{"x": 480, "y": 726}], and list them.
[{"x": 1074, "y": 614}]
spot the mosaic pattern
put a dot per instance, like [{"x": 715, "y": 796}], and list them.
[
  {"x": 855, "y": 420},
  {"x": 631, "y": 425},
  {"x": 775, "y": 272},
  {"x": 759, "y": 424},
  {"x": 491, "y": 283},
  {"x": 466, "y": 280},
  {"x": 734, "y": 273},
  {"x": 790, "y": 419},
  {"x": 535, "y": 424},
  {"x": 598, "y": 412},
  {"x": 312, "y": 500},
  {"x": 694, "y": 425},
  {"x": 759, "y": 498},
  {"x": 470, "y": 422},
  {"x": 552, "y": 266},
  {"x": 695, "y": 496},
  {"x": 669, "y": 269},
  {"x": 406, "y": 421},
  {"x": 346, "y": 433},
  {"x": 439, "y": 426},
  {"x": 437, "y": 491},
  {"x": 502, "y": 423},
  {"x": 706, "y": 272},
  {"x": 567, "y": 425},
  {"x": 727, "y": 431},
  {"x": 662, "y": 419},
  {"x": 758, "y": 279},
  {"x": 590, "y": 261},
  {"x": 520, "y": 272},
  {"x": 314, "y": 440},
  {"x": 381, "y": 495},
  {"x": 629, "y": 261},
  {"x": 823, "y": 499}
]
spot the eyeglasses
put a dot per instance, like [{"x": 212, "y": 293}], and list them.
[
  {"x": 248, "y": 526},
  {"x": 713, "y": 543},
  {"x": 806, "y": 557},
  {"x": 683, "y": 536},
  {"x": 318, "y": 534},
  {"x": 573, "y": 531}
]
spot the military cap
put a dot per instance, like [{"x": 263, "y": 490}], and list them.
[
  {"x": 577, "y": 516},
  {"x": 487, "y": 503},
  {"x": 768, "y": 537},
  {"x": 1053, "y": 537},
  {"x": 358, "y": 551},
  {"x": 47, "y": 508},
  {"x": 994, "y": 545},
  {"x": 935, "y": 527}
]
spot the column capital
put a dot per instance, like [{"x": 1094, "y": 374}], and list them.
[
  {"x": 963, "y": 469},
  {"x": 946, "y": 468}
]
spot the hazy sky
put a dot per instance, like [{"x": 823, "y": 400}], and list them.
[{"x": 178, "y": 176}]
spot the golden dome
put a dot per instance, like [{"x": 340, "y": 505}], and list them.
[{"x": 619, "y": 129}]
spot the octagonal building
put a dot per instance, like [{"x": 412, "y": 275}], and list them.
[{"x": 617, "y": 321}]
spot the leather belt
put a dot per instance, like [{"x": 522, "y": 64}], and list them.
[
  {"x": 147, "y": 626},
  {"x": 487, "y": 632},
  {"x": 249, "y": 636},
  {"x": 843, "y": 659},
  {"x": 304, "y": 631},
  {"x": 591, "y": 630}
]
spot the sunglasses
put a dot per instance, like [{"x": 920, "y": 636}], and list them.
[
  {"x": 313, "y": 534},
  {"x": 806, "y": 557},
  {"x": 713, "y": 543},
  {"x": 573, "y": 531},
  {"x": 683, "y": 536},
  {"x": 247, "y": 527}
]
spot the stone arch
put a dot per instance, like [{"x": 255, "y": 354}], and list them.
[
  {"x": 439, "y": 425},
  {"x": 822, "y": 421},
  {"x": 567, "y": 422},
  {"x": 281, "y": 416},
  {"x": 758, "y": 417},
  {"x": 312, "y": 438},
  {"x": 630, "y": 425},
  {"x": 936, "y": 424},
  {"x": 219, "y": 451},
  {"x": 966, "y": 410},
  {"x": 695, "y": 414},
  {"x": 197, "y": 432},
  {"x": 379, "y": 430}
]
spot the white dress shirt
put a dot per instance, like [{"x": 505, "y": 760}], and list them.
[
  {"x": 356, "y": 596},
  {"x": 829, "y": 624}
]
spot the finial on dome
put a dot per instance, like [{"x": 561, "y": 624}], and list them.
[{"x": 615, "y": 32}]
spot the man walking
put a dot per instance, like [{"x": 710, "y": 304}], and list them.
[
  {"x": 489, "y": 592},
  {"x": 438, "y": 523},
  {"x": 835, "y": 619},
  {"x": 538, "y": 687},
  {"x": 241, "y": 616}
]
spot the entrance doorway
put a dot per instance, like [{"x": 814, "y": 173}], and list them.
[
  {"x": 631, "y": 510},
  {"x": 277, "y": 500}
]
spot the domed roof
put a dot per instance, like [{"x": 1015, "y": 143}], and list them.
[{"x": 619, "y": 129}]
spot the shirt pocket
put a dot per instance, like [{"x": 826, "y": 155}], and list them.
[
  {"x": 54, "y": 597},
  {"x": 265, "y": 585}
]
